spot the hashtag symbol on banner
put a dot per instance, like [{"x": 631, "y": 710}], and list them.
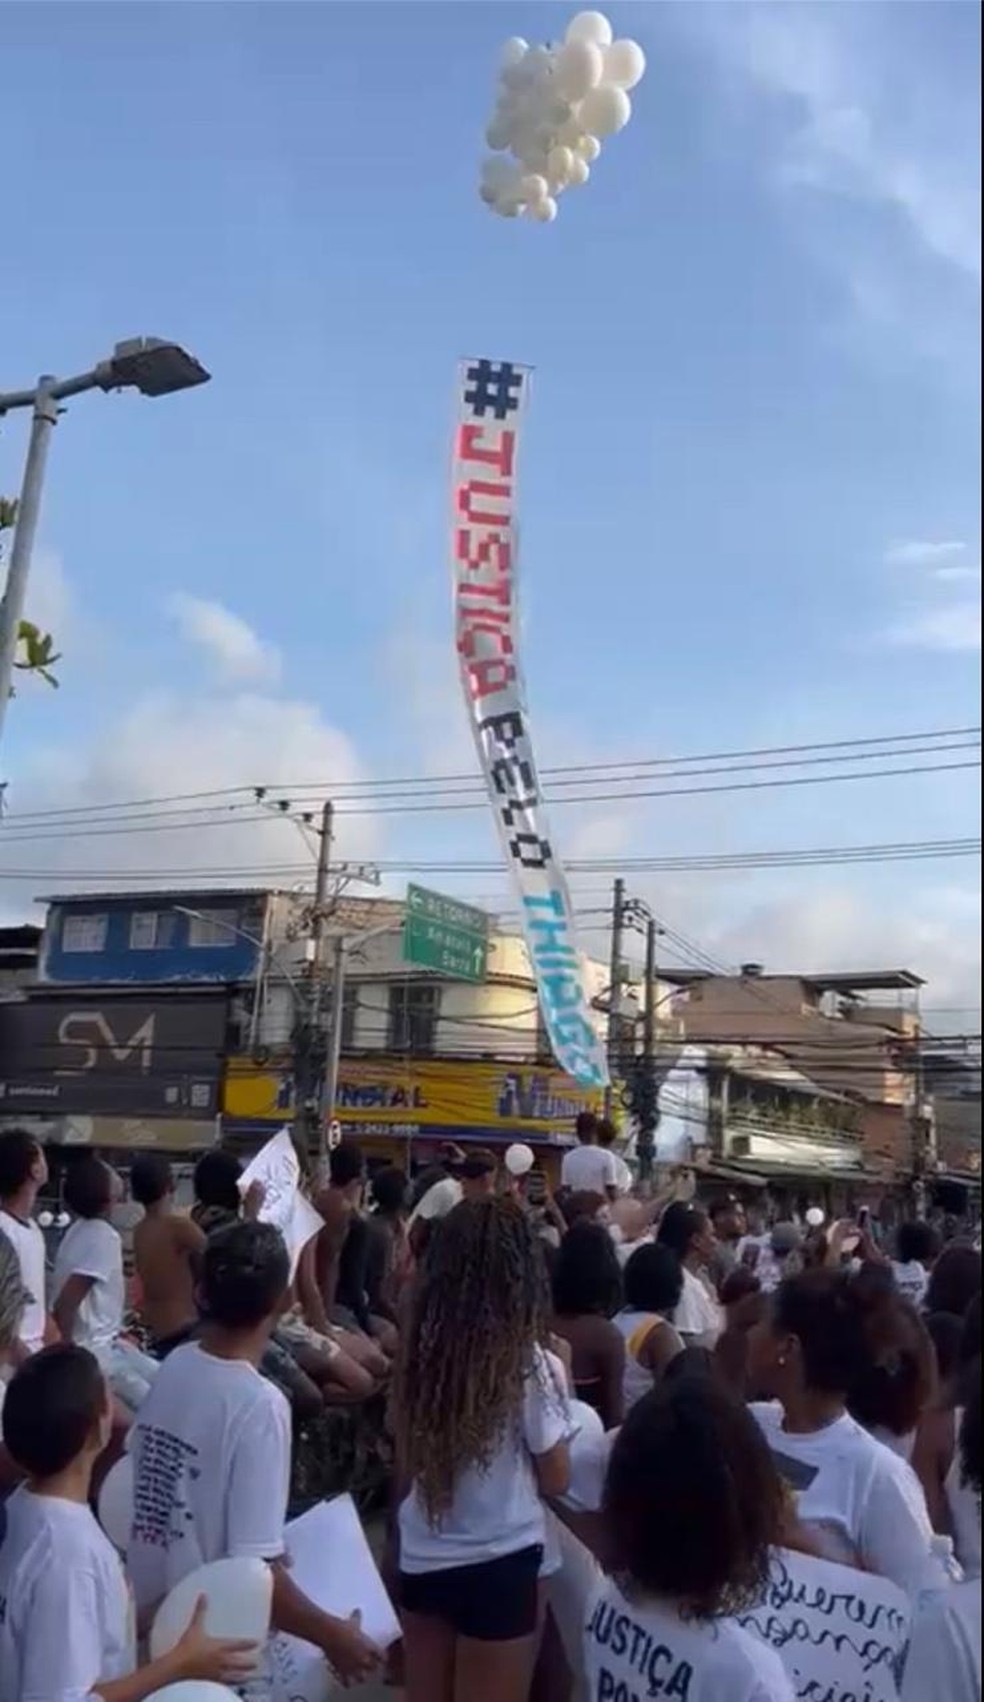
[{"x": 493, "y": 388}]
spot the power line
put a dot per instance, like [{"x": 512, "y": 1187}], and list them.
[
  {"x": 696, "y": 862},
  {"x": 17, "y": 835},
  {"x": 804, "y": 753}
]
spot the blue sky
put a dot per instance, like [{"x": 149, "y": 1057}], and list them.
[{"x": 754, "y": 427}]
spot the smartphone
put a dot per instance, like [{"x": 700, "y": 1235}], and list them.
[{"x": 863, "y": 1216}]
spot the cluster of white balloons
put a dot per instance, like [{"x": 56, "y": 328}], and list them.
[{"x": 555, "y": 107}]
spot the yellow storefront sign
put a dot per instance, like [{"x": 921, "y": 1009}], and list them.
[{"x": 393, "y": 1096}]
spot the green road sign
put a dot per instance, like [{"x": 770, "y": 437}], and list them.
[{"x": 445, "y": 936}]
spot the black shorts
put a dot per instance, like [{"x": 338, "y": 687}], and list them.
[{"x": 494, "y": 1601}]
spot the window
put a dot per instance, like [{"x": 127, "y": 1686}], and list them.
[
  {"x": 212, "y": 928},
  {"x": 414, "y": 1007},
  {"x": 151, "y": 930},
  {"x": 84, "y": 933}
]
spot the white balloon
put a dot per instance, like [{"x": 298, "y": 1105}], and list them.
[
  {"x": 558, "y": 112},
  {"x": 498, "y": 133},
  {"x": 571, "y": 134},
  {"x": 538, "y": 64},
  {"x": 605, "y": 111},
  {"x": 589, "y": 148},
  {"x": 580, "y": 172},
  {"x": 579, "y": 68},
  {"x": 625, "y": 64},
  {"x": 560, "y": 164},
  {"x": 534, "y": 189},
  {"x": 497, "y": 172},
  {"x": 545, "y": 211},
  {"x": 193, "y": 1690},
  {"x": 116, "y": 1503},
  {"x": 513, "y": 53},
  {"x": 239, "y": 1594},
  {"x": 590, "y": 26}
]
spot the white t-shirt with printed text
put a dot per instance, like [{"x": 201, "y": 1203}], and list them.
[
  {"x": 28, "y": 1243},
  {"x": 864, "y": 1503},
  {"x": 66, "y": 1615},
  {"x": 496, "y": 1510},
  {"x": 92, "y": 1248},
  {"x": 589, "y": 1170},
  {"x": 637, "y": 1650},
  {"x": 211, "y": 1456}
]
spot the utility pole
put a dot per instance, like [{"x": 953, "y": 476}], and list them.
[
  {"x": 645, "y": 1144},
  {"x": 310, "y": 1040},
  {"x": 329, "y": 1081},
  {"x": 615, "y": 989}
]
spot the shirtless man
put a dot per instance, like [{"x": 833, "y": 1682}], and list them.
[
  {"x": 321, "y": 1262},
  {"x": 166, "y": 1248}
]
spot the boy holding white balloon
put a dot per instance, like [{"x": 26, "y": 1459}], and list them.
[
  {"x": 211, "y": 1450},
  {"x": 66, "y": 1616}
]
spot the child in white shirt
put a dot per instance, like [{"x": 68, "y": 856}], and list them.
[
  {"x": 66, "y": 1619},
  {"x": 211, "y": 1449}
]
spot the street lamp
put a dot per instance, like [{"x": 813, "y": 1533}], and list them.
[{"x": 148, "y": 364}]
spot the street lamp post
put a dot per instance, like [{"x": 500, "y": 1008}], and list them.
[{"x": 147, "y": 364}]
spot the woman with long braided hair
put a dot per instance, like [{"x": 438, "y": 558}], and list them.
[{"x": 481, "y": 1427}]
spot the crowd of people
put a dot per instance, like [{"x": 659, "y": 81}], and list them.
[{"x": 645, "y": 1392}]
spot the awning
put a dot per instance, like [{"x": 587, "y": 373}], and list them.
[{"x": 126, "y": 1134}]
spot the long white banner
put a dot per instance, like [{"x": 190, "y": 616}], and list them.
[{"x": 491, "y": 402}]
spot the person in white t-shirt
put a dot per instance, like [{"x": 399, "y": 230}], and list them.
[
  {"x": 211, "y": 1449},
  {"x": 23, "y": 1173},
  {"x": 88, "y": 1288},
  {"x": 66, "y": 1616},
  {"x": 692, "y": 1506},
  {"x": 687, "y": 1231},
  {"x": 917, "y": 1248},
  {"x": 13, "y": 1299},
  {"x": 607, "y": 1136},
  {"x": 863, "y": 1504},
  {"x": 472, "y": 1178},
  {"x": 945, "y": 1651},
  {"x": 481, "y": 1424},
  {"x": 589, "y": 1168}
]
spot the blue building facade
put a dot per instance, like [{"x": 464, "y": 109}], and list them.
[{"x": 153, "y": 938}]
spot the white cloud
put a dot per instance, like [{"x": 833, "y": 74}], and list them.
[
  {"x": 233, "y": 649},
  {"x": 945, "y": 614},
  {"x": 875, "y": 150},
  {"x": 955, "y": 628},
  {"x": 834, "y": 929},
  {"x": 220, "y": 742},
  {"x": 923, "y": 552},
  {"x": 848, "y": 140}
]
